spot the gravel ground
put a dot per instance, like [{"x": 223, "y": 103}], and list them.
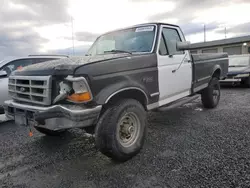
[{"x": 186, "y": 147}]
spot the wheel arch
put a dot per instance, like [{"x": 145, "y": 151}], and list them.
[
  {"x": 129, "y": 92},
  {"x": 217, "y": 72}
]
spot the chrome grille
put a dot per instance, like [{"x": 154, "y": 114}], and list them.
[{"x": 33, "y": 89}]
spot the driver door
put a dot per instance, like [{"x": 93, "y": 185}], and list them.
[{"x": 174, "y": 67}]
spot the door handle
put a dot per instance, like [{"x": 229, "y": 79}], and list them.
[{"x": 187, "y": 61}]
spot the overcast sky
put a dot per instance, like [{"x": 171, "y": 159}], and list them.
[{"x": 44, "y": 26}]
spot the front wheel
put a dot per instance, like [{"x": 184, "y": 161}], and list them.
[
  {"x": 121, "y": 130},
  {"x": 210, "y": 96}
]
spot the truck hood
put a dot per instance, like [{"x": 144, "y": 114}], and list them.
[{"x": 65, "y": 66}]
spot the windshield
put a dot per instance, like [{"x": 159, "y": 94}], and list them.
[
  {"x": 239, "y": 61},
  {"x": 138, "y": 39}
]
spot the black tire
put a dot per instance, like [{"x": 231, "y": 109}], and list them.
[
  {"x": 90, "y": 129},
  {"x": 107, "y": 132},
  {"x": 49, "y": 132},
  {"x": 210, "y": 96},
  {"x": 246, "y": 82}
]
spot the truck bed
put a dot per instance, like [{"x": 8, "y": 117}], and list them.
[
  {"x": 208, "y": 56},
  {"x": 207, "y": 64}
]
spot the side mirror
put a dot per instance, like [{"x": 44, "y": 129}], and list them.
[
  {"x": 3, "y": 73},
  {"x": 183, "y": 46}
]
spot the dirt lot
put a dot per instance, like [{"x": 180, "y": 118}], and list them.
[{"x": 186, "y": 147}]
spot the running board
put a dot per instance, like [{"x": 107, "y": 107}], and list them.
[{"x": 178, "y": 103}]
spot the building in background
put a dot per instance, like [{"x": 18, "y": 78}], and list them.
[{"x": 233, "y": 46}]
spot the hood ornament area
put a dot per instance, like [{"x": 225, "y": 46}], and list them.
[{"x": 22, "y": 89}]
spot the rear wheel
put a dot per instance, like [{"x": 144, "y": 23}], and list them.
[
  {"x": 49, "y": 132},
  {"x": 210, "y": 96},
  {"x": 246, "y": 82},
  {"x": 121, "y": 130}
]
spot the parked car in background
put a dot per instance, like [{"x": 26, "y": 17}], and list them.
[
  {"x": 8, "y": 65},
  {"x": 239, "y": 70}
]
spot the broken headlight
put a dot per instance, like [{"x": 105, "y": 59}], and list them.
[{"x": 74, "y": 89}]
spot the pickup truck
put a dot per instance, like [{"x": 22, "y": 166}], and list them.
[
  {"x": 239, "y": 70},
  {"x": 108, "y": 91}
]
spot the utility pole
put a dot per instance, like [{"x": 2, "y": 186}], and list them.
[
  {"x": 225, "y": 32},
  {"x": 72, "y": 28},
  {"x": 204, "y": 32}
]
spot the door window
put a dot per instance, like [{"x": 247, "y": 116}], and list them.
[
  {"x": 16, "y": 64},
  {"x": 19, "y": 64},
  {"x": 171, "y": 37},
  {"x": 163, "y": 49}
]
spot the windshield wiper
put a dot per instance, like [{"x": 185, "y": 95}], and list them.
[{"x": 118, "y": 51}]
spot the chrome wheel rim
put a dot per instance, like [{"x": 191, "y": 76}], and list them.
[
  {"x": 128, "y": 129},
  {"x": 216, "y": 93}
]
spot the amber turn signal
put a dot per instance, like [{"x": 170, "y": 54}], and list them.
[{"x": 80, "y": 97}]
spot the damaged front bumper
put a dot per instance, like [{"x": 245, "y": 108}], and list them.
[{"x": 55, "y": 117}]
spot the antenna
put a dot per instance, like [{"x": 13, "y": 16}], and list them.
[
  {"x": 72, "y": 28},
  {"x": 204, "y": 32},
  {"x": 225, "y": 32}
]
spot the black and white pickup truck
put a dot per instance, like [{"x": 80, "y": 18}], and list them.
[{"x": 125, "y": 73}]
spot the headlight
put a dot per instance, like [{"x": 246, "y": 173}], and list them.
[
  {"x": 81, "y": 91},
  {"x": 74, "y": 89},
  {"x": 80, "y": 97}
]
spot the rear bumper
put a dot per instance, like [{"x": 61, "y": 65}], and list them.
[
  {"x": 235, "y": 78},
  {"x": 53, "y": 117},
  {"x": 231, "y": 80}
]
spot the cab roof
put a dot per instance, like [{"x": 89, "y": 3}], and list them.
[{"x": 138, "y": 25}]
